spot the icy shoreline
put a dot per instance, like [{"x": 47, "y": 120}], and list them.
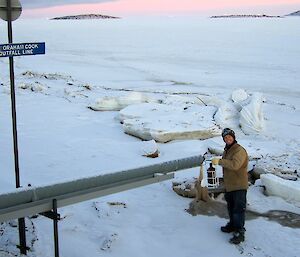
[{"x": 61, "y": 138}]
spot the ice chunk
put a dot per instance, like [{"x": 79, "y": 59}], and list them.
[
  {"x": 287, "y": 189},
  {"x": 165, "y": 123},
  {"x": 118, "y": 103},
  {"x": 242, "y": 111},
  {"x": 209, "y": 100},
  {"x": 107, "y": 104},
  {"x": 239, "y": 95},
  {"x": 138, "y": 111},
  {"x": 178, "y": 100},
  {"x": 150, "y": 149},
  {"x": 251, "y": 116},
  {"x": 227, "y": 116}
]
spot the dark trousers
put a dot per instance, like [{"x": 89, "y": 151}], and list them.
[{"x": 236, "y": 205}]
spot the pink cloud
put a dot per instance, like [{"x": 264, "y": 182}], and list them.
[
  {"x": 158, "y": 6},
  {"x": 150, "y": 6}
]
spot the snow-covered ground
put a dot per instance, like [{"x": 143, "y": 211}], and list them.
[{"x": 181, "y": 63}]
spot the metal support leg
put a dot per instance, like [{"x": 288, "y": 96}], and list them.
[
  {"x": 22, "y": 237},
  {"x": 55, "y": 228},
  {"x": 55, "y": 217}
]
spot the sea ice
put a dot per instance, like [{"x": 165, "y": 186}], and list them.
[
  {"x": 118, "y": 103},
  {"x": 251, "y": 116},
  {"x": 239, "y": 95},
  {"x": 277, "y": 186},
  {"x": 165, "y": 123}
]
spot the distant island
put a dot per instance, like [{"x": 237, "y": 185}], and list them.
[
  {"x": 245, "y": 16},
  {"x": 85, "y": 17},
  {"x": 294, "y": 14}
]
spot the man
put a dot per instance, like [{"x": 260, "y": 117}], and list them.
[{"x": 234, "y": 163}]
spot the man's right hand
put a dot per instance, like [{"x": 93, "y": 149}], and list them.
[{"x": 215, "y": 161}]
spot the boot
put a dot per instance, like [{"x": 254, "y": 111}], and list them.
[
  {"x": 237, "y": 238},
  {"x": 227, "y": 229}
]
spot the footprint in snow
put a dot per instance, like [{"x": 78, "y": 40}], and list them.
[{"x": 108, "y": 241}]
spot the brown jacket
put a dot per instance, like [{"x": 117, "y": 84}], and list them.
[{"x": 235, "y": 162}]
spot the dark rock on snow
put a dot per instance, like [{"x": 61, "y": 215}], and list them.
[{"x": 85, "y": 17}]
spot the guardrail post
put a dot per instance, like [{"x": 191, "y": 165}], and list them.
[
  {"x": 53, "y": 215},
  {"x": 55, "y": 228}
]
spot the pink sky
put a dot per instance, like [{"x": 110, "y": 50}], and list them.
[{"x": 125, "y": 7}]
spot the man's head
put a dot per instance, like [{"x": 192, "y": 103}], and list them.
[{"x": 228, "y": 136}]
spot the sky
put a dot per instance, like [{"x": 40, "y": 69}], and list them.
[{"x": 42, "y": 8}]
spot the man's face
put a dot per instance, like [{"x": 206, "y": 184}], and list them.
[{"x": 228, "y": 139}]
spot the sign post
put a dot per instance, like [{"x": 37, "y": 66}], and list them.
[
  {"x": 11, "y": 10},
  {"x": 16, "y": 9}
]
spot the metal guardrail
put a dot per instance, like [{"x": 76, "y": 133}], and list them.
[{"x": 30, "y": 201}]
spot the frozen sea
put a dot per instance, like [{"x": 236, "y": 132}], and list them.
[
  {"x": 259, "y": 54},
  {"x": 60, "y": 139}
]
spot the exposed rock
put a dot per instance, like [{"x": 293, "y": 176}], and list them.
[
  {"x": 85, "y": 17},
  {"x": 50, "y": 76},
  {"x": 245, "y": 16},
  {"x": 152, "y": 155},
  {"x": 34, "y": 87},
  {"x": 24, "y": 86},
  {"x": 294, "y": 14},
  {"x": 117, "y": 204}
]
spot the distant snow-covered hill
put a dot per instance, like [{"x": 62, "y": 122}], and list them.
[
  {"x": 85, "y": 17},
  {"x": 294, "y": 13},
  {"x": 245, "y": 16}
]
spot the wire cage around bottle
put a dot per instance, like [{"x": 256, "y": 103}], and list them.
[{"x": 212, "y": 180}]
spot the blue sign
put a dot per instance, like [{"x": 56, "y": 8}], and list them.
[{"x": 11, "y": 50}]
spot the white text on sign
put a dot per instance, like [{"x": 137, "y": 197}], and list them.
[{"x": 10, "y": 50}]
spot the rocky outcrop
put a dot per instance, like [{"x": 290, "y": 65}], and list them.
[
  {"x": 85, "y": 17},
  {"x": 294, "y": 14},
  {"x": 246, "y": 16}
]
